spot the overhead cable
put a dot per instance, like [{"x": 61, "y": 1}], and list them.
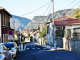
[{"x": 36, "y": 9}]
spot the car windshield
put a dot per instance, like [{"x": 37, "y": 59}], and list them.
[{"x": 9, "y": 45}]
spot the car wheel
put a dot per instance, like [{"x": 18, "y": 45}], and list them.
[
  {"x": 4, "y": 59},
  {"x": 18, "y": 51},
  {"x": 12, "y": 58},
  {"x": 15, "y": 57}
]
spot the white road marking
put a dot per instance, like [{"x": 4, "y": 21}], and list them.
[
  {"x": 33, "y": 48},
  {"x": 56, "y": 57},
  {"x": 38, "y": 48},
  {"x": 27, "y": 48},
  {"x": 44, "y": 48}
]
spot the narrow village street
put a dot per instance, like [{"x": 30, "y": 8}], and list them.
[
  {"x": 37, "y": 52},
  {"x": 40, "y": 30}
]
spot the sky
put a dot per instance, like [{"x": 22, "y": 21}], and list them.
[{"x": 21, "y": 7}]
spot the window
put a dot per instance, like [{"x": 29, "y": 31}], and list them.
[
  {"x": 3, "y": 18},
  {"x": 9, "y": 45},
  {"x": 48, "y": 29},
  {"x": 76, "y": 33}
]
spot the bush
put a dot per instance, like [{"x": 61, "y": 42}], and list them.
[{"x": 15, "y": 39}]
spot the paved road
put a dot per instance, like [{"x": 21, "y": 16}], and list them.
[{"x": 36, "y": 52}]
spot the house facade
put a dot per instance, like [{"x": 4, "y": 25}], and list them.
[
  {"x": 24, "y": 32},
  {"x": 70, "y": 25},
  {"x": 4, "y": 24}
]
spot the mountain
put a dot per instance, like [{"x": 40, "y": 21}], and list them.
[
  {"x": 38, "y": 20},
  {"x": 19, "y": 22}
]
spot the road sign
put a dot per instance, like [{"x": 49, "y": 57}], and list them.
[{"x": 10, "y": 32}]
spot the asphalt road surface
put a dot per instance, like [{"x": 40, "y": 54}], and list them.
[{"x": 36, "y": 52}]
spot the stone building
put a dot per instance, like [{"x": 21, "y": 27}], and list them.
[{"x": 4, "y": 24}]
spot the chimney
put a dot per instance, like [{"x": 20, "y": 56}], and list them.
[{"x": 63, "y": 18}]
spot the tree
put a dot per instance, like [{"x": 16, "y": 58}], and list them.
[
  {"x": 15, "y": 31},
  {"x": 33, "y": 30},
  {"x": 76, "y": 13},
  {"x": 43, "y": 32},
  {"x": 38, "y": 28},
  {"x": 28, "y": 35},
  {"x": 16, "y": 39}
]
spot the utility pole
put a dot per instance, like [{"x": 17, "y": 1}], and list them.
[
  {"x": 53, "y": 22},
  {"x": 20, "y": 38},
  {"x": 13, "y": 24}
]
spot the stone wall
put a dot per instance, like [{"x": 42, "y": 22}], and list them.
[
  {"x": 59, "y": 41},
  {"x": 71, "y": 45}
]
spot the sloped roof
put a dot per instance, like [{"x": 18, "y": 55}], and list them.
[
  {"x": 24, "y": 30},
  {"x": 2, "y": 9},
  {"x": 68, "y": 21}
]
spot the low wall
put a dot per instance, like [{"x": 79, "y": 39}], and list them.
[{"x": 71, "y": 45}]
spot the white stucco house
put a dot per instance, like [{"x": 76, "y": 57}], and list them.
[{"x": 69, "y": 24}]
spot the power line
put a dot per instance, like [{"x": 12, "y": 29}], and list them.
[
  {"x": 36, "y": 9},
  {"x": 69, "y": 4},
  {"x": 75, "y": 4},
  {"x": 47, "y": 9},
  {"x": 48, "y": 14}
]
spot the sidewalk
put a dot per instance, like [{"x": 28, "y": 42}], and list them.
[{"x": 51, "y": 48}]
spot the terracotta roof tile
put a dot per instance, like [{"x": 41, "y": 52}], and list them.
[
  {"x": 69, "y": 21},
  {"x": 24, "y": 30}
]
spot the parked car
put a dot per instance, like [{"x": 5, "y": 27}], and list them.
[
  {"x": 16, "y": 47},
  {"x": 4, "y": 53},
  {"x": 12, "y": 48}
]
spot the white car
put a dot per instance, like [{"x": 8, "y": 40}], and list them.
[
  {"x": 4, "y": 53},
  {"x": 12, "y": 48}
]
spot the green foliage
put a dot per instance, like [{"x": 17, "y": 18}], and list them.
[
  {"x": 33, "y": 30},
  {"x": 15, "y": 31},
  {"x": 43, "y": 32},
  {"x": 22, "y": 36},
  {"x": 76, "y": 13},
  {"x": 28, "y": 35},
  {"x": 15, "y": 39},
  {"x": 38, "y": 28}
]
